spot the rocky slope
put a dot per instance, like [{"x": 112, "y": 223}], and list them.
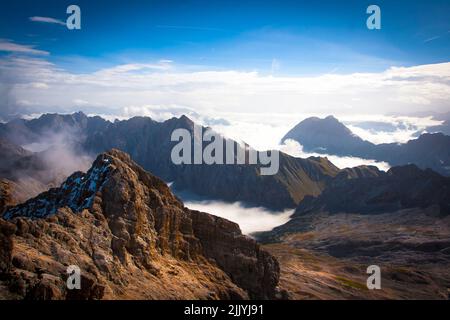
[
  {"x": 132, "y": 239},
  {"x": 327, "y": 256},
  {"x": 398, "y": 220},
  {"x": 366, "y": 190},
  {"x": 329, "y": 136}
]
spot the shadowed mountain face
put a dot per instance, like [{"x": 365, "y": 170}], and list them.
[
  {"x": 25, "y": 174},
  {"x": 366, "y": 190},
  {"x": 131, "y": 238},
  {"x": 148, "y": 142},
  {"x": 329, "y": 136}
]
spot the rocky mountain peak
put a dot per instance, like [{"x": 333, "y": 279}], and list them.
[
  {"x": 125, "y": 229},
  {"x": 183, "y": 122},
  {"x": 112, "y": 173}
]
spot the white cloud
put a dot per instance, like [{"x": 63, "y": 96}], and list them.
[
  {"x": 162, "y": 89},
  {"x": 275, "y": 66},
  {"x": 47, "y": 20},
  {"x": 39, "y": 85},
  {"x": 296, "y": 149},
  {"x": 9, "y": 46},
  {"x": 378, "y": 137},
  {"x": 403, "y": 128},
  {"x": 163, "y": 83},
  {"x": 265, "y": 131},
  {"x": 250, "y": 219},
  {"x": 134, "y": 67}
]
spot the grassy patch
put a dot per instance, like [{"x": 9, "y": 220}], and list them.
[{"x": 350, "y": 283}]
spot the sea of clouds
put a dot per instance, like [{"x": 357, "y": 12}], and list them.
[{"x": 250, "y": 218}]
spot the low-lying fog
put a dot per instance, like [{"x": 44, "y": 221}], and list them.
[
  {"x": 250, "y": 219},
  {"x": 295, "y": 149}
]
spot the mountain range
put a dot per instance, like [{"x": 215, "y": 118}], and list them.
[
  {"x": 329, "y": 136},
  {"x": 149, "y": 144},
  {"x": 134, "y": 239}
]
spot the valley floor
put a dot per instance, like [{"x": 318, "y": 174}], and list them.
[{"x": 329, "y": 259}]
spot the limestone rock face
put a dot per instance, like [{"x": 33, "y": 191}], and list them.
[
  {"x": 131, "y": 238},
  {"x": 242, "y": 258}
]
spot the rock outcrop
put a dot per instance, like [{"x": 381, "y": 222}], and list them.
[{"x": 131, "y": 238}]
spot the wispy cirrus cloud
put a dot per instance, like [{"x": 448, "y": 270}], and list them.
[
  {"x": 436, "y": 37},
  {"x": 431, "y": 39},
  {"x": 47, "y": 20},
  {"x": 9, "y": 46},
  {"x": 135, "y": 68}
]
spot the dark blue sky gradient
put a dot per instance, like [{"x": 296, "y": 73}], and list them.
[{"x": 303, "y": 37}]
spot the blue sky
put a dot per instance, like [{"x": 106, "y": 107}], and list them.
[
  {"x": 283, "y": 37},
  {"x": 225, "y": 59}
]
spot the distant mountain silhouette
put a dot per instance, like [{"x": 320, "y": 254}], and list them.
[
  {"x": 329, "y": 136},
  {"x": 76, "y": 126}
]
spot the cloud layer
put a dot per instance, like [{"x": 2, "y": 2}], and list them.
[
  {"x": 249, "y": 219},
  {"x": 12, "y": 47},
  {"x": 164, "y": 83},
  {"x": 295, "y": 149},
  {"x": 47, "y": 20}
]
